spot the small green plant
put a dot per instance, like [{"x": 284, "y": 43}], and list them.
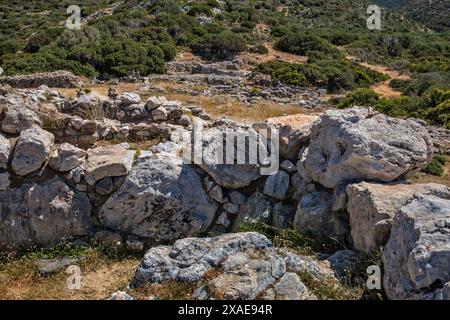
[{"x": 436, "y": 167}]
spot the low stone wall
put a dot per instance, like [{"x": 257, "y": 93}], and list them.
[{"x": 60, "y": 79}]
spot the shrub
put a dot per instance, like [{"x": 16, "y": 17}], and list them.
[
  {"x": 436, "y": 166},
  {"x": 303, "y": 43},
  {"x": 360, "y": 97},
  {"x": 259, "y": 49},
  {"x": 220, "y": 46}
]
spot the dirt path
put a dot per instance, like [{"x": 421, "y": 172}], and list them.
[{"x": 383, "y": 88}]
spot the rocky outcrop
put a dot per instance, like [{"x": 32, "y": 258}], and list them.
[
  {"x": 373, "y": 206},
  {"x": 32, "y": 149},
  {"x": 361, "y": 144},
  {"x": 43, "y": 214},
  {"x": 417, "y": 256},
  {"x": 161, "y": 199},
  {"x": 246, "y": 267},
  {"x": 59, "y": 79}
]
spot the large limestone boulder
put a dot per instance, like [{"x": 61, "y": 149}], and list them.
[
  {"x": 32, "y": 149},
  {"x": 361, "y": 144},
  {"x": 417, "y": 256},
  {"x": 373, "y": 206},
  {"x": 5, "y": 150},
  {"x": 294, "y": 131},
  {"x": 247, "y": 264},
  {"x": 111, "y": 161},
  {"x": 44, "y": 214},
  {"x": 161, "y": 199}
]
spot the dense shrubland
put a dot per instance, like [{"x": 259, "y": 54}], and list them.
[{"x": 140, "y": 36}]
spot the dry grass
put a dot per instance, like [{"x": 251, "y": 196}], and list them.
[
  {"x": 428, "y": 178},
  {"x": 222, "y": 105},
  {"x": 100, "y": 277}
]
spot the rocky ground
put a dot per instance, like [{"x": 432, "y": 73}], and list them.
[{"x": 108, "y": 170}]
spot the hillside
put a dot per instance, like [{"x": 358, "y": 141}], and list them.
[{"x": 434, "y": 14}]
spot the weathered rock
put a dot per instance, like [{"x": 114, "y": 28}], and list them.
[
  {"x": 49, "y": 266},
  {"x": 105, "y": 162},
  {"x": 290, "y": 287},
  {"x": 104, "y": 186},
  {"x": 294, "y": 132},
  {"x": 43, "y": 214},
  {"x": 237, "y": 198},
  {"x": 231, "y": 207},
  {"x": 314, "y": 214},
  {"x": 417, "y": 256},
  {"x": 18, "y": 118},
  {"x": 4, "y": 181},
  {"x": 126, "y": 99},
  {"x": 344, "y": 263},
  {"x": 5, "y": 150},
  {"x": 216, "y": 193},
  {"x": 232, "y": 176},
  {"x": 372, "y": 208},
  {"x": 67, "y": 157},
  {"x": 361, "y": 144},
  {"x": 159, "y": 114},
  {"x": 283, "y": 215},
  {"x": 301, "y": 187},
  {"x": 32, "y": 149},
  {"x": 277, "y": 185},
  {"x": 154, "y": 102},
  {"x": 161, "y": 199},
  {"x": 121, "y": 295},
  {"x": 288, "y": 166},
  {"x": 257, "y": 207},
  {"x": 247, "y": 267}
]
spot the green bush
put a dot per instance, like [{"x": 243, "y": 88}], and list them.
[
  {"x": 361, "y": 97},
  {"x": 436, "y": 167},
  {"x": 259, "y": 49},
  {"x": 220, "y": 46},
  {"x": 303, "y": 43}
]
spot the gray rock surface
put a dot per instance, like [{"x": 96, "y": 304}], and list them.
[
  {"x": 361, "y": 144},
  {"x": 32, "y": 149},
  {"x": 5, "y": 150},
  {"x": 102, "y": 162},
  {"x": 67, "y": 157},
  {"x": 277, "y": 185},
  {"x": 43, "y": 214},
  {"x": 232, "y": 176},
  {"x": 247, "y": 264},
  {"x": 18, "y": 118},
  {"x": 257, "y": 207},
  {"x": 314, "y": 214},
  {"x": 373, "y": 206},
  {"x": 162, "y": 199},
  {"x": 417, "y": 256}
]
